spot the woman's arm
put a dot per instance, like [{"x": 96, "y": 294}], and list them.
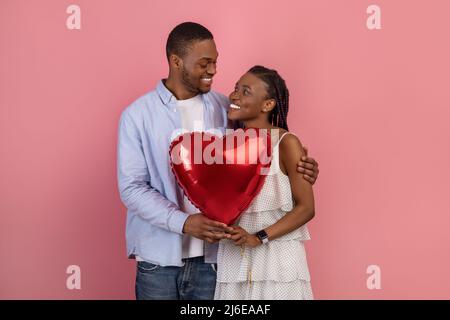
[{"x": 290, "y": 151}]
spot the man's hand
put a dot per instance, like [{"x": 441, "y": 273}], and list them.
[
  {"x": 309, "y": 167},
  {"x": 241, "y": 237},
  {"x": 201, "y": 227}
]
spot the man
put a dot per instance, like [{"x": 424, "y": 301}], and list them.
[{"x": 175, "y": 246}]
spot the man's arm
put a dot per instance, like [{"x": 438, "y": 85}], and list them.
[
  {"x": 134, "y": 182},
  {"x": 138, "y": 195}
]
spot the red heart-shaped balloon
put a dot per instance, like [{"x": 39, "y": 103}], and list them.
[{"x": 221, "y": 175}]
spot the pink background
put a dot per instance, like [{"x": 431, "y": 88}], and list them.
[{"x": 372, "y": 106}]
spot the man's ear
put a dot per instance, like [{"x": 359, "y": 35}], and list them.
[
  {"x": 175, "y": 61},
  {"x": 269, "y": 104}
]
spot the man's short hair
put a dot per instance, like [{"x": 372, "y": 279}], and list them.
[{"x": 182, "y": 36}]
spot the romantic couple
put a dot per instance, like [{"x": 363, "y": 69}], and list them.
[{"x": 180, "y": 253}]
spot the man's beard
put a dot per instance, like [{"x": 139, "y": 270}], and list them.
[{"x": 188, "y": 83}]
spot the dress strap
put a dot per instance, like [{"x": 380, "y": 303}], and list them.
[{"x": 282, "y": 136}]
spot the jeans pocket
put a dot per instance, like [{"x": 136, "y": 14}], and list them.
[
  {"x": 214, "y": 267},
  {"x": 146, "y": 267}
]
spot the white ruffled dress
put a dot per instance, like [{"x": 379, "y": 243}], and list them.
[{"x": 277, "y": 270}]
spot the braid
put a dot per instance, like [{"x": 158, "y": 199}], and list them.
[{"x": 278, "y": 91}]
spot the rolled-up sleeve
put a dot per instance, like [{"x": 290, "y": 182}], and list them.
[{"x": 134, "y": 181}]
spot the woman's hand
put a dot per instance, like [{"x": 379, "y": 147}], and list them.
[{"x": 241, "y": 237}]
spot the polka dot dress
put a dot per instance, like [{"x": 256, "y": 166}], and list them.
[{"x": 277, "y": 270}]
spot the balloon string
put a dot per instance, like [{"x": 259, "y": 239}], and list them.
[{"x": 249, "y": 272}]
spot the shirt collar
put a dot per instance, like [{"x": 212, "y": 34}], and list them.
[{"x": 164, "y": 93}]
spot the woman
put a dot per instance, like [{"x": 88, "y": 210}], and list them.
[{"x": 265, "y": 257}]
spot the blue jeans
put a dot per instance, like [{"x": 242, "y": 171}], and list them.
[{"x": 196, "y": 280}]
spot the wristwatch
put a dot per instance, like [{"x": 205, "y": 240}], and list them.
[{"x": 262, "y": 235}]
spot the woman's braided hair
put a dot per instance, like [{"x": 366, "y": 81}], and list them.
[{"x": 277, "y": 90}]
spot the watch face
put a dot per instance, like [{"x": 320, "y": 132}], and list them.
[{"x": 262, "y": 235}]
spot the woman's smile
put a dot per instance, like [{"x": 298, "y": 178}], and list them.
[{"x": 234, "y": 107}]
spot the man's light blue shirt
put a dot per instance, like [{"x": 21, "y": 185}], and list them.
[{"x": 147, "y": 185}]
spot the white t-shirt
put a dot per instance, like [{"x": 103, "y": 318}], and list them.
[{"x": 191, "y": 114}]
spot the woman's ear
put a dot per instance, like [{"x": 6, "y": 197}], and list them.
[{"x": 269, "y": 104}]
